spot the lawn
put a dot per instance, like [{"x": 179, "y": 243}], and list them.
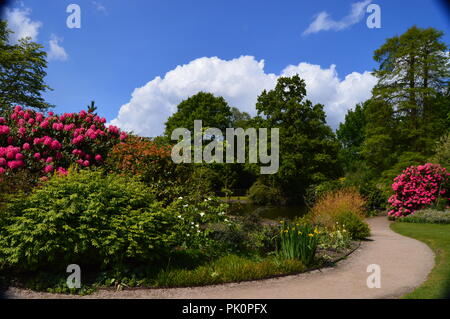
[{"x": 437, "y": 237}]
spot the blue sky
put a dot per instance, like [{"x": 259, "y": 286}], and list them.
[{"x": 123, "y": 45}]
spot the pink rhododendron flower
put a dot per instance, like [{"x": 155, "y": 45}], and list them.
[
  {"x": 48, "y": 169},
  {"x": 418, "y": 187}
]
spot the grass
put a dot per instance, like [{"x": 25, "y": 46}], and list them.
[
  {"x": 229, "y": 268},
  {"x": 437, "y": 237}
]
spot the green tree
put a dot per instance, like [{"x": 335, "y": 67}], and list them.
[
  {"x": 413, "y": 77},
  {"x": 239, "y": 119},
  {"x": 351, "y": 135},
  {"x": 22, "y": 72},
  {"x": 213, "y": 111},
  {"x": 308, "y": 146}
]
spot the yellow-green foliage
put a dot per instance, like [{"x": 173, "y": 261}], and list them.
[{"x": 87, "y": 217}]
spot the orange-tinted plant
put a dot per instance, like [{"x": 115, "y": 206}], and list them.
[
  {"x": 136, "y": 154},
  {"x": 331, "y": 205}
]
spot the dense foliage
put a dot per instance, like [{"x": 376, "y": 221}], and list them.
[{"x": 88, "y": 218}]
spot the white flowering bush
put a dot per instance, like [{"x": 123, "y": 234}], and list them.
[{"x": 194, "y": 218}]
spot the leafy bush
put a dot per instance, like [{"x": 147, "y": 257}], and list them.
[
  {"x": 86, "y": 217},
  {"x": 418, "y": 187},
  {"x": 151, "y": 162},
  {"x": 298, "y": 241},
  {"x": 356, "y": 227},
  {"x": 375, "y": 198},
  {"x": 261, "y": 194},
  {"x": 246, "y": 234},
  {"x": 430, "y": 216},
  {"x": 194, "y": 218},
  {"x": 332, "y": 204}
]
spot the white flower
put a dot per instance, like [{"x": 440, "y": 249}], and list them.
[
  {"x": 179, "y": 216},
  {"x": 186, "y": 205},
  {"x": 197, "y": 225},
  {"x": 188, "y": 235},
  {"x": 192, "y": 223},
  {"x": 226, "y": 219},
  {"x": 180, "y": 197},
  {"x": 202, "y": 214},
  {"x": 209, "y": 198},
  {"x": 198, "y": 231}
]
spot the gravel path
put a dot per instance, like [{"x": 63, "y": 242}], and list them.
[{"x": 404, "y": 264}]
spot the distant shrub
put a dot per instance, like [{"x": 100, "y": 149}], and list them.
[
  {"x": 376, "y": 199},
  {"x": 86, "y": 217},
  {"x": 357, "y": 228},
  {"x": 430, "y": 216},
  {"x": 261, "y": 194}
]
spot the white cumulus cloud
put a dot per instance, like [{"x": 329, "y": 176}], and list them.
[
  {"x": 325, "y": 87},
  {"x": 239, "y": 81},
  {"x": 19, "y": 21},
  {"x": 323, "y": 21},
  {"x": 56, "y": 51}
]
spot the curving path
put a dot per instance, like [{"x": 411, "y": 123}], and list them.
[{"x": 404, "y": 262}]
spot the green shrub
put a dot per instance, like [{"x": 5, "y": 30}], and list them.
[
  {"x": 376, "y": 199},
  {"x": 246, "y": 234},
  {"x": 430, "y": 216},
  {"x": 354, "y": 224},
  {"x": 87, "y": 217},
  {"x": 261, "y": 194}
]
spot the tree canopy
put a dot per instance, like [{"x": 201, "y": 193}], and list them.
[
  {"x": 213, "y": 111},
  {"x": 22, "y": 72},
  {"x": 308, "y": 147}
]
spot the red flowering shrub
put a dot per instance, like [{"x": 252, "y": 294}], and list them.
[
  {"x": 43, "y": 144},
  {"x": 418, "y": 187}
]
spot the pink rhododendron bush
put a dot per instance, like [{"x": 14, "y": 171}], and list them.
[
  {"x": 418, "y": 187},
  {"x": 48, "y": 143}
]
